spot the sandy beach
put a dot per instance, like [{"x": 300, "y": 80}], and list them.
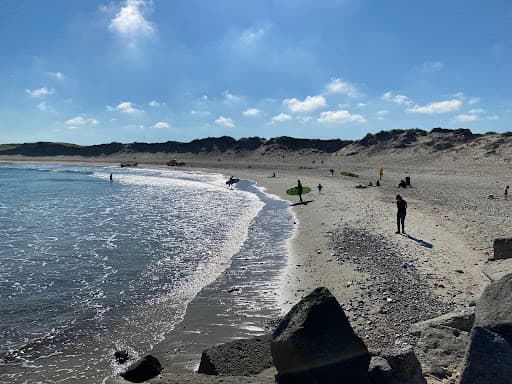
[{"x": 345, "y": 237}]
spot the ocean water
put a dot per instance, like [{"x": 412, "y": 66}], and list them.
[{"x": 89, "y": 266}]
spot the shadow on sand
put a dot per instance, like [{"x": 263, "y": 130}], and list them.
[
  {"x": 423, "y": 243},
  {"x": 306, "y": 202}
]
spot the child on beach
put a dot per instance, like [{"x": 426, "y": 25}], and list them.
[{"x": 401, "y": 205}]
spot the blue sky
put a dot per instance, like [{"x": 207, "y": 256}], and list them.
[{"x": 87, "y": 71}]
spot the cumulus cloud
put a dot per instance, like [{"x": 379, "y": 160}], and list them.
[
  {"x": 465, "y": 117},
  {"x": 42, "y": 106},
  {"x": 338, "y": 86},
  {"x": 437, "y": 107},
  {"x": 130, "y": 21},
  {"x": 282, "y": 117},
  {"x": 80, "y": 121},
  {"x": 40, "y": 92},
  {"x": 397, "y": 99},
  {"x": 57, "y": 75},
  {"x": 161, "y": 125},
  {"x": 310, "y": 103},
  {"x": 155, "y": 104},
  {"x": 251, "y": 112},
  {"x": 125, "y": 107},
  {"x": 225, "y": 122},
  {"x": 230, "y": 98},
  {"x": 340, "y": 116},
  {"x": 252, "y": 35}
]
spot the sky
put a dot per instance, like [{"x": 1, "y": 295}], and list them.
[{"x": 89, "y": 72}]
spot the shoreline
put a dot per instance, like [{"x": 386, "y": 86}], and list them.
[{"x": 450, "y": 226}]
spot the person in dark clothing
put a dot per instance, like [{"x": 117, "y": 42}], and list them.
[
  {"x": 299, "y": 190},
  {"x": 319, "y": 188},
  {"x": 401, "y": 204}
]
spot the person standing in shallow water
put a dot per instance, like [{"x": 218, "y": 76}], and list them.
[
  {"x": 299, "y": 190},
  {"x": 401, "y": 205}
]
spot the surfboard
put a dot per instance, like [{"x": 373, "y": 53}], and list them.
[{"x": 293, "y": 191}]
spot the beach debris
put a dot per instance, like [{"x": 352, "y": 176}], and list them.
[
  {"x": 502, "y": 249},
  {"x": 144, "y": 369},
  {"x": 316, "y": 323},
  {"x": 491, "y": 197},
  {"x": 237, "y": 358},
  {"x": 318, "y": 251},
  {"x": 121, "y": 356}
]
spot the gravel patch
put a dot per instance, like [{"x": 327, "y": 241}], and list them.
[{"x": 395, "y": 295}]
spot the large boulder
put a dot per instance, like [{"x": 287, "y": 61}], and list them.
[
  {"x": 314, "y": 343},
  {"x": 237, "y": 358},
  {"x": 488, "y": 359},
  {"x": 379, "y": 371},
  {"x": 144, "y": 369},
  {"x": 494, "y": 309},
  {"x": 461, "y": 319},
  {"x": 502, "y": 249}
]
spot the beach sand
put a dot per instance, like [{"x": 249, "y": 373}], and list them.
[{"x": 345, "y": 237}]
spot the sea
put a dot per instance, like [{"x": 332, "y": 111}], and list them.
[{"x": 89, "y": 266}]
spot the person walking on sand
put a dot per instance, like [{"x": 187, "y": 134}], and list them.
[
  {"x": 381, "y": 174},
  {"x": 299, "y": 190},
  {"x": 401, "y": 204},
  {"x": 111, "y": 179},
  {"x": 506, "y": 192},
  {"x": 319, "y": 188}
]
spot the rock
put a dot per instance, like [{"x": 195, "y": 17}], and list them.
[
  {"x": 379, "y": 371},
  {"x": 497, "y": 269},
  {"x": 461, "y": 319},
  {"x": 494, "y": 308},
  {"x": 440, "y": 349},
  {"x": 314, "y": 343},
  {"x": 237, "y": 358},
  {"x": 121, "y": 356},
  {"x": 502, "y": 249},
  {"x": 488, "y": 359},
  {"x": 405, "y": 365},
  {"x": 144, "y": 369}
]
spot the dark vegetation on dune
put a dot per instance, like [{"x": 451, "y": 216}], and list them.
[{"x": 438, "y": 139}]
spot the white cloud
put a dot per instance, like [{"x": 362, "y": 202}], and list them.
[
  {"x": 42, "y": 106},
  {"x": 304, "y": 119},
  {"x": 225, "y": 122},
  {"x": 195, "y": 112},
  {"x": 310, "y": 103},
  {"x": 231, "y": 98},
  {"x": 155, "y": 104},
  {"x": 282, "y": 117},
  {"x": 437, "y": 107},
  {"x": 40, "y": 92},
  {"x": 338, "y": 86},
  {"x": 57, "y": 75},
  {"x": 161, "y": 125},
  {"x": 361, "y": 105},
  {"x": 125, "y": 107},
  {"x": 80, "y": 121},
  {"x": 251, "y": 112},
  {"x": 383, "y": 112},
  {"x": 432, "y": 66},
  {"x": 252, "y": 35},
  {"x": 464, "y": 118},
  {"x": 473, "y": 100},
  {"x": 476, "y": 111},
  {"x": 397, "y": 99},
  {"x": 340, "y": 116},
  {"x": 129, "y": 22}
]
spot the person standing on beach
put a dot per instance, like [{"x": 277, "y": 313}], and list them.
[
  {"x": 381, "y": 174},
  {"x": 319, "y": 188},
  {"x": 299, "y": 190},
  {"x": 506, "y": 192},
  {"x": 111, "y": 179},
  {"x": 401, "y": 204}
]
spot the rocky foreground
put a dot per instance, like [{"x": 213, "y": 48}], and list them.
[{"x": 315, "y": 343}]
